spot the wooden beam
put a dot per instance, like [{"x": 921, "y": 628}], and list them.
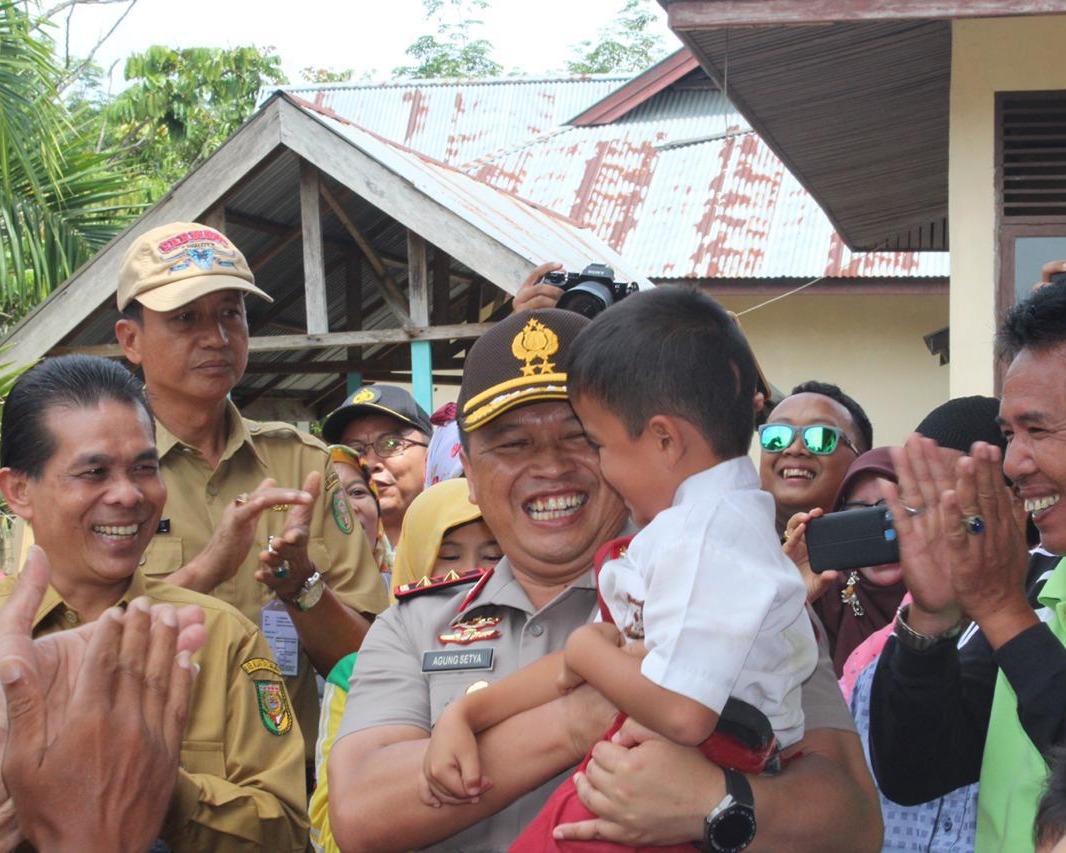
[
  {"x": 442, "y": 280},
  {"x": 315, "y": 302},
  {"x": 413, "y": 202},
  {"x": 289, "y": 233},
  {"x": 294, "y": 343},
  {"x": 688, "y": 15},
  {"x": 389, "y": 289},
  {"x": 417, "y": 278},
  {"x": 216, "y": 217}
]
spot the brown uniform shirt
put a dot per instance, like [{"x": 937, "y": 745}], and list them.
[
  {"x": 241, "y": 782},
  {"x": 197, "y": 496}
]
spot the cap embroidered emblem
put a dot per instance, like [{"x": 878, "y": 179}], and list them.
[
  {"x": 367, "y": 395},
  {"x": 535, "y": 341}
]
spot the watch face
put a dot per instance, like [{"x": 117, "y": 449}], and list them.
[{"x": 733, "y": 830}]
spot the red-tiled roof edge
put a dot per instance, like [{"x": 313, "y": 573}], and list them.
[{"x": 638, "y": 90}]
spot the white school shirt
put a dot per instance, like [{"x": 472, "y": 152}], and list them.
[{"x": 720, "y": 607}]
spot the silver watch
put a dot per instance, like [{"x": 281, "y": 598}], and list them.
[
  {"x": 907, "y": 636},
  {"x": 310, "y": 593}
]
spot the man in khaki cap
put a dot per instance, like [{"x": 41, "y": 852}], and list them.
[{"x": 254, "y": 514}]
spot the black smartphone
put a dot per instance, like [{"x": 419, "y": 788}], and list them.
[{"x": 854, "y": 539}]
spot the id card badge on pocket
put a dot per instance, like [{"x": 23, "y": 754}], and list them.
[{"x": 281, "y": 636}]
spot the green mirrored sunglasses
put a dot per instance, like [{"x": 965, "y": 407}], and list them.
[{"x": 819, "y": 439}]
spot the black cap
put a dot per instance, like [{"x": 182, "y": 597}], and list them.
[
  {"x": 519, "y": 360},
  {"x": 376, "y": 400},
  {"x": 960, "y": 422}
]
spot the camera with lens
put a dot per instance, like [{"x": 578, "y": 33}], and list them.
[{"x": 590, "y": 291}]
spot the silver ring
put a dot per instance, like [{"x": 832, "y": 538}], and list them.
[
  {"x": 270, "y": 545},
  {"x": 282, "y": 571},
  {"x": 912, "y": 511},
  {"x": 241, "y": 499},
  {"x": 973, "y": 524}
]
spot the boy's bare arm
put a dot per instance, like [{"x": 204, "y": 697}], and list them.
[
  {"x": 529, "y": 687},
  {"x": 593, "y": 654},
  {"x": 372, "y": 770},
  {"x": 452, "y": 765}
]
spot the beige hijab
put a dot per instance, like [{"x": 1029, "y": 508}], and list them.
[{"x": 433, "y": 513}]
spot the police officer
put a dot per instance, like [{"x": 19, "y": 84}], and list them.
[
  {"x": 537, "y": 480},
  {"x": 254, "y": 516}
]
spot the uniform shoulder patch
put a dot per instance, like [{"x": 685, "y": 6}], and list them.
[
  {"x": 271, "y": 698},
  {"x": 342, "y": 512},
  {"x": 438, "y": 582}
]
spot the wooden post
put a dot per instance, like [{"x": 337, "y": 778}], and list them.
[
  {"x": 314, "y": 262},
  {"x": 418, "y": 294},
  {"x": 353, "y": 310}
]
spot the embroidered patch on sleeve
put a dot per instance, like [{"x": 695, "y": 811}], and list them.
[
  {"x": 271, "y": 698},
  {"x": 342, "y": 512}
]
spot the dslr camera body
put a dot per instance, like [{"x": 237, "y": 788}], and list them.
[{"x": 590, "y": 291}]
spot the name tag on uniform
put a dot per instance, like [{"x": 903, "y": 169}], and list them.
[
  {"x": 444, "y": 660},
  {"x": 281, "y": 636}
]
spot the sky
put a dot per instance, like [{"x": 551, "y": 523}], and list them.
[{"x": 535, "y": 38}]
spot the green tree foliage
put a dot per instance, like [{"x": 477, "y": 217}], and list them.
[
  {"x": 326, "y": 75},
  {"x": 452, "y": 52},
  {"x": 624, "y": 46},
  {"x": 60, "y": 200},
  {"x": 182, "y": 104}
]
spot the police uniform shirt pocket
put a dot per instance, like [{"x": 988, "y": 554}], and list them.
[
  {"x": 163, "y": 556},
  {"x": 446, "y": 687},
  {"x": 202, "y": 756}
]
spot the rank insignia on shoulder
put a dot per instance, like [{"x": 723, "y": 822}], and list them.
[
  {"x": 332, "y": 480},
  {"x": 471, "y": 630},
  {"x": 430, "y": 584},
  {"x": 273, "y": 702}
]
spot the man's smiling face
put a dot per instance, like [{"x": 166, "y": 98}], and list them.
[{"x": 798, "y": 479}]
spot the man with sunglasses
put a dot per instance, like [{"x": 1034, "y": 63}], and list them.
[
  {"x": 386, "y": 425},
  {"x": 254, "y": 514},
  {"x": 808, "y": 442}
]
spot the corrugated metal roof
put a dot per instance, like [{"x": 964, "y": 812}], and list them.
[
  {"x": 680, "y": 185},
  {"x": 683, "y": 188},
  {"x": 533, "y": 234},
  {"x": 460, "y": 121}
]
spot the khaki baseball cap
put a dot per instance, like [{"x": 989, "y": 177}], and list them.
[{"x": 174, "y": 264}]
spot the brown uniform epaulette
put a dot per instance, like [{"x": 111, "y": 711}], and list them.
[{"x": 438, "y": 582}]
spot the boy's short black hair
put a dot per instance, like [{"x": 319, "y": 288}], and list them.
[
  {"x": 858, "y": 414},
  {"x": 672, "y": 351}
]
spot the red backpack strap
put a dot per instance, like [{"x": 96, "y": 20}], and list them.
[{"x": 610, "y": 550}]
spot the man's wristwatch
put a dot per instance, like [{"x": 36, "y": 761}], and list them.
[
  {"x": 731, "y": 824},
  {"x": 310, "y": 593},
  {"x": 907, "y": 636}
]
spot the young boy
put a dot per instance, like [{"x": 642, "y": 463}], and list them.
[{"x": 664, "y": 385}]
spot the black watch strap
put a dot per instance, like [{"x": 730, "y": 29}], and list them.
[{"x": 730, "y": 827}]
